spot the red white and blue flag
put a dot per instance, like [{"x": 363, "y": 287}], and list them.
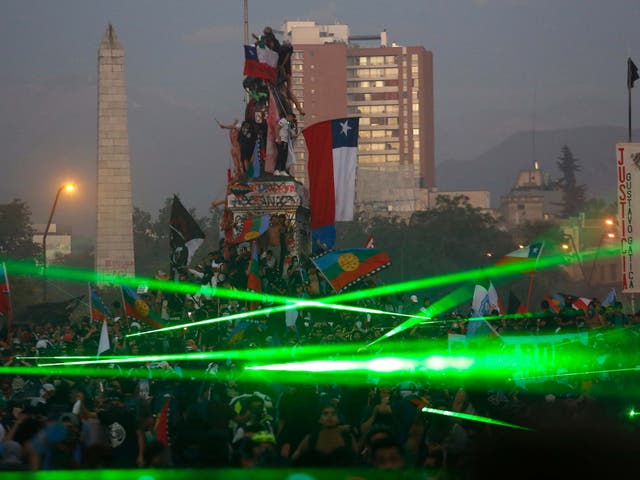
[
  {"x": 5, "y": 292},
  {"x": 260, "y": 62},
  {"x": 98, "y": 310},
  {"x": 333, "y": 154}
]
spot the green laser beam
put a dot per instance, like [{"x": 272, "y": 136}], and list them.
[
  {"x": 474, "y": 418},
  {"x": 456, "y": 277}
]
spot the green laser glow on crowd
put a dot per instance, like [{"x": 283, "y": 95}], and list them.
[
  {"x": 385, "y": 364},
  {"x": 506, "y": 270},
  {"x": 474, "y": 418}
]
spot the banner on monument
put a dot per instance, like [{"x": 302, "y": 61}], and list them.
[{"x": 628, "y": 193}]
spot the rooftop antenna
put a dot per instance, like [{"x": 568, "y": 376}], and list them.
[
  {"x": 246, "y": 22},
  {"x": 533, "y": 136}
]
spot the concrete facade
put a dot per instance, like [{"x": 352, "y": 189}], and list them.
[
  {"x": 114, "y": 239},
  {"x": 58, "y": 240},
  {"x": 391, "y": 89},
  {"x": 534, "y": 197}
]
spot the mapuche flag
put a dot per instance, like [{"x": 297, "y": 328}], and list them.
[
  {"x": 343, "y": 268},
  {"x": 333, "y": 154},
  {"x": 185, "y": 235},
  {"x": 136, "y": 307},
  {"x": 252, "y": 227}
]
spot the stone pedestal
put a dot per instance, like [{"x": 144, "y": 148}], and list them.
[{"x": 284, "y": 199}]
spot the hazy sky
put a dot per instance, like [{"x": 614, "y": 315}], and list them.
[{"x": 184, "y": 67}]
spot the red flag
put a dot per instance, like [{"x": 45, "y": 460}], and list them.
[
  {"x": 369, "y": 243},
  {"x": 162, "y": 424},
  {"x": 253, "y": 281},
  {"x": 5, "y": 292}
]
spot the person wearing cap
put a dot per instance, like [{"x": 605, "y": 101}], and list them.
[
  {"x": 413, "y": 307},
  {"x": 46, "y": 392}
]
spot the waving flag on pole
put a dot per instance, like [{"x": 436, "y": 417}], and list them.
[
  {"x": 514, "y": 305},
  {"x": 528, "y": 253},
  {"x": 369, "y": 243},
  {"x": 343, "y": 268},
  {"x": 5, "y": 293},
  {"x": 485, "y": 300},
  {"x": 136, "y": 307},
  {"x": 610, "y": 298},
  {"x": 333, "y": 153},
  {"x": 260, "y": 62},
  {"x": 253, "y": 278},
  {"x": 632, "y": 73},
  {"x": 103, "y": 344},
  {"x": 98, "y": 310},
  {"x": 185, "y": 236},
  {"x": 252, "y": 227}
]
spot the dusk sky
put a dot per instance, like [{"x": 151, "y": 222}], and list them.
[{"x": 184, "y": 68}]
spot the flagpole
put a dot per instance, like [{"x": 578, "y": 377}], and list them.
[
  {"x": 9, "y": 299},
  {"x": 629, "y": 100},
  {"x": 90, "y": 304},
  {"x": 530, "y": 291},
  {"x": 123, "y": 306}
]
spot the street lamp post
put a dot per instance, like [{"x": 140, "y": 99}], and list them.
[{"x": 66, "y": 187}]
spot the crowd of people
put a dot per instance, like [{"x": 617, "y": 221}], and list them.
[
  {"x": 120, "y": 419},
  {"x": 160, "y": 414}
]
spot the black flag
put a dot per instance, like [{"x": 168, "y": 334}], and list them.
[
  {"x": 185, "y": 236},
  {"x": 632, "y": 73}
]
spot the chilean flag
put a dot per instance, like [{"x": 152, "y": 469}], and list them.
[
  {"x": 333, "y": 154},
  {"x": 260, "y": 62}
]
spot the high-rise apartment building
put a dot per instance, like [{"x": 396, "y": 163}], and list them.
[{"x": 390, "y": 88}]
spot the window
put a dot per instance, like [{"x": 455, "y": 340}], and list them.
[
  {"x": 415, "y": 107},
  {"x": 414, "y": 70},
  {"x": 416, "y": 132}
]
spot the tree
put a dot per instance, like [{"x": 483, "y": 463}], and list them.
[
  {"x": 16, "y": 232},
  {"x": 573, "y": 195}
]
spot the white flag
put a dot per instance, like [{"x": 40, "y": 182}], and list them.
[{"x": 103, "y": 344}]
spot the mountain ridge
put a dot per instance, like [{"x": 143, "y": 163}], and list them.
[{"x": 496, "y": 169}]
